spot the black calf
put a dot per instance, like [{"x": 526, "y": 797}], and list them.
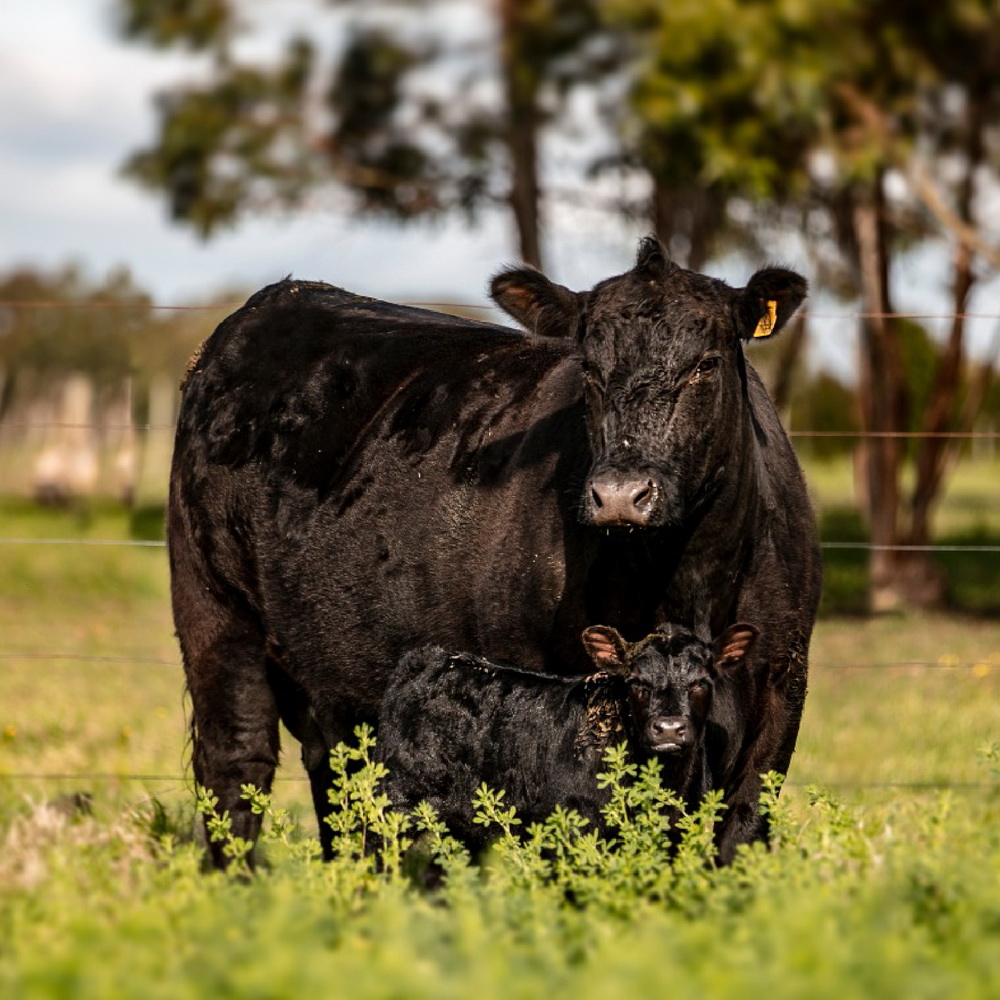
[{"x": 451, "y": 721}]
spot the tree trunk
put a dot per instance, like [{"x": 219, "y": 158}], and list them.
[
  {"x": 523, "y": 119},
  {"x": 685, "y": 217},
  {"x": 934, "y": 450},
  {"x": 882, "y": 397},
  {"x": 792, "y": 341}
]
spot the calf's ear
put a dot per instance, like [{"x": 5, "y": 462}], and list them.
[
  {"x": 734, "y": 645},
  {"x": 768, "y": 302},
  {"x": 606, "y": 648},
  {"x": 539, "y": 305}
]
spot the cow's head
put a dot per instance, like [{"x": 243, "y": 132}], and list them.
[
  {"x": 671, "y": 676},
  {"x": 665, "y": 379}
]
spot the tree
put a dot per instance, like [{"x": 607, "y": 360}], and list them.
[
  {"x": 721, "y": 104},
  {"x": 815, "y": 110},
  {"x": 368, "y": 116},
  {"x": 917, "y": 103}
]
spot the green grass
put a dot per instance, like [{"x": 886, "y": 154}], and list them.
[
  {"x": 968, "y": 516},
  {"x": 967, "y": 504},
  {"x": 849, "y": 902},
  {"x": 875, "y": 889}
]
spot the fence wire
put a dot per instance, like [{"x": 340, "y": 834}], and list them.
[
  {"x": 62, "y": 304},
  {"x": 982, "y": 666},
  {"x": 808, "y": 435},
  {"x": 186, "y": 781},
  {"x": 979, "y": 667},
  {"x": 859, "y": 546}
]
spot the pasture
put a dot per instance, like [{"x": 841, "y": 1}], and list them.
[{"x": 882, "y": 882}]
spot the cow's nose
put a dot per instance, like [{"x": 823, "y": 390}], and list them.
[
  {"x": 668, "y": 734},
  {"x": 618, "y": 499}
]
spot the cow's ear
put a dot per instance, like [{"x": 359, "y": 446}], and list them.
[
  {"x": 606, "y": 648},
  {"x": 539, "y": 305},
  {"x": 768, "y": 302},
  {"x": 735, "y": 645}
]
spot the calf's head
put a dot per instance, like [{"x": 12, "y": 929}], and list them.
[
  {"x": 670, "y": 677},
  {"x": 664, "y": 375}
]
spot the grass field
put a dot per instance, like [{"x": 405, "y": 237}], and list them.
[{"x": 889, "y": 888}]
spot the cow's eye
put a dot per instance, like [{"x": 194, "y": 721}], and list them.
[
  {"x": 707, "y": 366},
  {"x": 639, "y": 392}
]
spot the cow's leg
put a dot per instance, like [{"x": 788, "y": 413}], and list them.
[
  {"x": 316, "y": 761},
  {"x": 329, "y": 728},
  {"x": 234, "y": 714},
  {"x": 770, "y": 749},
  {"x": 318, "y": 726},
  {"x": 235, "y": 718}
]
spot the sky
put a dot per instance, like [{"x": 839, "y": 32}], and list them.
[{"x": 75, "y": 101}]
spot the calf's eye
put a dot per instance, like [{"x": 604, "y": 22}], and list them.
[
  {"x": 641, "y": 693},
  {"x": 699, "y": 690}
]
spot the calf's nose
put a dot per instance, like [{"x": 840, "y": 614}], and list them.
[
  {"x": 669, "y": 734},
  {"x": 619, "y": 499}
]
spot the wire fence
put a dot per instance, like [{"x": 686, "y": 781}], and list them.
[
  {"x": 112, "y": 304},
  {"x": 975, "y": 667},
  {"x": 842, "y": 546},
  {"x": 859, "y": 434},
  {"x": 983, "y": 666},
  {"x": 187, "y": 781}
]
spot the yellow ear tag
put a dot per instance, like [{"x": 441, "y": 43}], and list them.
[{"x": 766, "y": 323}]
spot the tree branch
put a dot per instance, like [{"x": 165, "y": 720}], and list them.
[{"x": 879, "y": 126}]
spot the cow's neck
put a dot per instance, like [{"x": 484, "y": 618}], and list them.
[
  {"x": 708, "y": 578},
  {"x": 690, "y": 575},
  {"x": 702, "y": 589}
]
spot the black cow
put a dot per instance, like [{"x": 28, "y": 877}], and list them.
[
  {"x": 353, "y": 479},
  {"x": 451, "y": 721}
]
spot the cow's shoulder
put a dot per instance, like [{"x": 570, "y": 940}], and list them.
[{"x": 301, "y": 373}]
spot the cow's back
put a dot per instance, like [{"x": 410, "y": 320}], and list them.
[{"x": 362, "y": 478}]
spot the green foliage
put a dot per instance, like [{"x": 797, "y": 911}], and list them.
[
  {"x": 63, "y": 322},
  {"x": 221, "y": 143},
  {"x": 40, "y": 342},
  {"x": 372, "y": 145},
  {"x": 721, "y": 93},
  {"x": 847, "y": 900},
  {"x": 970, "y": 568},
  {"x": 253, "y": 136},
  {"x": 198, "y": 24},
  {"x": 823, "y": 403},
  {"x": 369, "y": 835}
]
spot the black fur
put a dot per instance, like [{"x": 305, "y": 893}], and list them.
[
  {"x": 353, "y": 479},
  {"x": 451, "y": 721}
]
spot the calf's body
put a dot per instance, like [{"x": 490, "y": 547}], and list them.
[{"x": 450, "y": 722}]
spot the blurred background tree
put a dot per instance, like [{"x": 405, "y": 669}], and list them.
[
  {"x": 85, "y": 367},
  {"x": 863, "y": 129},
  {"x": 411, "y": 118}
]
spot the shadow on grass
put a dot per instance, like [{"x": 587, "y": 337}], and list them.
[{"x": 146, "y": 524}]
